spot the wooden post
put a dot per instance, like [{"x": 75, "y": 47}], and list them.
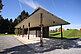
[
  {"x": 28, "y": 29},
  {"x": 61, "y": 32},
  {"x": 41, "y": 42},
  {"x": 19, "y": 31},
  {"x": 36, "y": 33},
  {"x": 23, "y": 31}
]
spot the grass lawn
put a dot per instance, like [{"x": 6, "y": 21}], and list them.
[
  {"x": 69, "y": 34},
  {"x": 7, "y": 34}
]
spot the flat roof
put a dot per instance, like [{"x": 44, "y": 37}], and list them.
[{"x": 48, "y": 19}]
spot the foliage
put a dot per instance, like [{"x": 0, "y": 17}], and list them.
[
  {"x": 72, "y": 33},
  {"x": 1, "y": 5},
  {"x": 56, "y": 29},
  {"x": 22, "y": 16},
  {"x": 15, "y": 22},
  {"x": 52, "y": 31},
  {"x": 7, "y": 26}
]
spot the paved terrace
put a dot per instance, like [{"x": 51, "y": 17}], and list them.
[
  {"x": 10, "y": 45},
  {"x": 52, "y": 45}
]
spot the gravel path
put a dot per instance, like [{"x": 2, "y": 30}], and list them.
[
  {"x": 52, "y": 45},
  {"x": 9, "y": 45}
]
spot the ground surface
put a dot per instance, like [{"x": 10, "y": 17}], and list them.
[
  {"x": 7, "y": 34},
  {"x": 9, "y": 45},
  {"x": 52, "y": 45}
]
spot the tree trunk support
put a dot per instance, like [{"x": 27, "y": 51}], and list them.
[
  {"x": 61, "y": 32},
  {"x": 23, "y": 31},
  {"x": 28, "y": 29},
  {"x": 41, "y": 42},
  {"x": 36, "y": 33},
  {"x": 19, "y": 31}
]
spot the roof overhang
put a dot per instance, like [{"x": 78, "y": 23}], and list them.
[{"x": 48, "y": 19}]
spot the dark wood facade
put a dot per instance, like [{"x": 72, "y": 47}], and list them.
[{"x": 36, "y": 31}]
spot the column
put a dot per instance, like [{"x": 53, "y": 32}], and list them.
[
  {"x": 41, "y": 42},
  {"x": 36, "y": 33},
  {"x": 61, "y": 32},
  {"x": 23, "y": 31},
  {"x": 19, "y": 31},
  {"x": 28, "y": 29}
]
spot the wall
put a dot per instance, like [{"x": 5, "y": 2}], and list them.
[
  {"x": 33, "y": 32},
  {"x": 46, "y": 32}
]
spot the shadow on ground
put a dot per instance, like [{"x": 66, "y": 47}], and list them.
[
  {"x": 54, "y": 34},
  {"x": 21, "y": 49},
  {"x": 53, "y": 44},
  {"x": 48, "y": 45}
]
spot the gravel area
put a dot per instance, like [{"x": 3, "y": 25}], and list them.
[{"x": 52, "y": 45}]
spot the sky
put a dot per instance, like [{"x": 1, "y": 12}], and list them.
[{"x": 69, "y": 10}]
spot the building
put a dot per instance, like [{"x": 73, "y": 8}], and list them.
[{"x": 38, "y": 23}]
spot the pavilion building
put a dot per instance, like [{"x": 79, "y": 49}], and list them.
[{"x": 38, "y": 23}]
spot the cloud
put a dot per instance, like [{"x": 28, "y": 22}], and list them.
[
  {"x": 30, "y": 3},
  {"x": 72, "y": 26},
  {"x": 78, "y": 25},
  {"x": 20, "y": 5}
]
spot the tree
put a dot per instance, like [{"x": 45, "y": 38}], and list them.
[
  {"x": 59, "y": 29},
  {"x": 11, "y": 27},
  {"x": 19, "y": 18},
  {"x": 52, "y": 31},
  {"x": 23, "y": 12},
  {"x": 56, "y": 29},
  {"x": 15, "y": 22},
  {"x": 11, "y": 21},
  {"x": 1, "y": 5},
  {"x": 6, "y": 23},
  {"x": 26, "y": 15},
  {"x": 1, "y": 24},
  {"x": 22, "y": 16},
  {"x": 6, "y": 26},
  {"x": 0, "y": 17}
]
